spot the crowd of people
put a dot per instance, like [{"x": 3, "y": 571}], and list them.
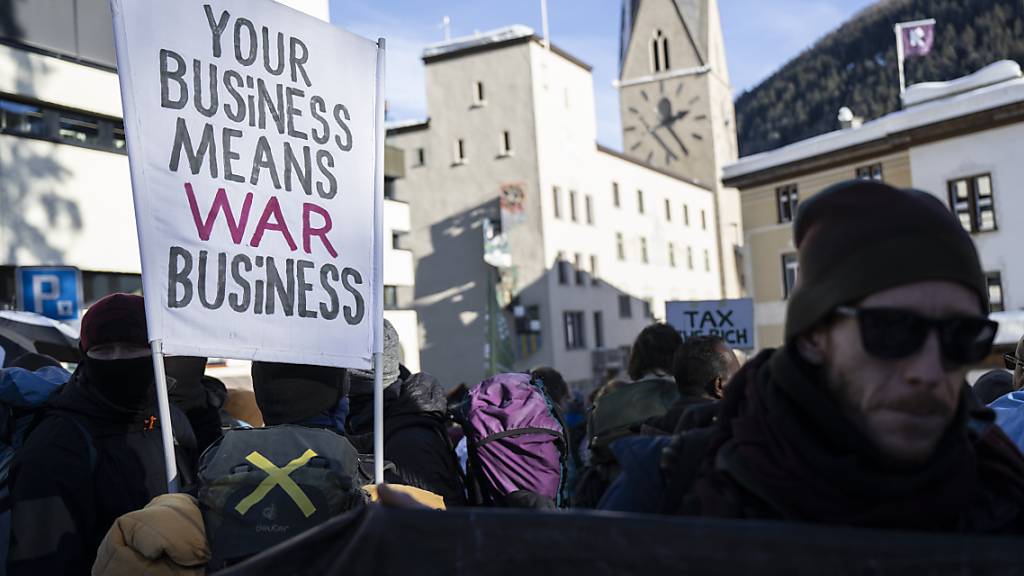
[{"x": 862, "y": 418}]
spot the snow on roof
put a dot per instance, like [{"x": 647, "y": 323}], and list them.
[
  {"x": 400, "y": 124},
  {"x": 480, "y": 39},
  {"x": 991, "y": 74},
  {"x": 929, "y": 111}
]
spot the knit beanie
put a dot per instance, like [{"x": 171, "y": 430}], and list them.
[
  {"x": 115, "y": 319},
  {"x": 362, "y": 380},
  {"x": 291, "y": 393},
  {"x": 860, "y": 237}
]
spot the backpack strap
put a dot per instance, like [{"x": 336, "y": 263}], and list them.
[
  {"x": 517, "y": 432},
  {"x": 680, "y": 464}
]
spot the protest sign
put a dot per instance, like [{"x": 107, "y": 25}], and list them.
[
  {"x": 731, "y": 320},
  {"x": 253, "y": 139}
]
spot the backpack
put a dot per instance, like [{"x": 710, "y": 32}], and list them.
[
  {"x": 619, "y": 413},
  {"x": 261, "y": 486},
  {"x": 518, "y": 450}
]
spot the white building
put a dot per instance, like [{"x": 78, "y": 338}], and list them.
[
  {"x": 959, "y": 140},
  {"x": 596, "y": 242},
  {"x": 65, "y": 191}
]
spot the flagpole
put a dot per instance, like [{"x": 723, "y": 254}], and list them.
[
  {"x": 377, "y": 315},
  {"x": 544, "y": 23},
  {"x": 164, "y": 409},
  {"x": 898, "y": 28}
]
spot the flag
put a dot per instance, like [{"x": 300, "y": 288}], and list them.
[{"x": 918, "y": 38}]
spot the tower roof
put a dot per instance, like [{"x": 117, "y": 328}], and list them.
[{"x": 693, "y": 13}]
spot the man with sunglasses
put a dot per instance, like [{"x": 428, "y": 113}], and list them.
[{"x": 864, "y": 417}]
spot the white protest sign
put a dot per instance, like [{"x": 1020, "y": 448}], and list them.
[
  {"x": 252, "y": 136},
  {"x": 731, "y": 320}
]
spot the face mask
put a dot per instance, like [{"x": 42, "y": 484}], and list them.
[{"x": 127, "y": 383}]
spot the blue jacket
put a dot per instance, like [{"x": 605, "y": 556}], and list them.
[
  {"x": 640, "y": 484},
  {"x": 23, "y": 390},
  {"x": 1010, "y": 416}
]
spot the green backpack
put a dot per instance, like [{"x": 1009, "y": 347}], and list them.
[
  {"x": 619, "y": 413},
  {"x": 261, "y": 486},
  {"x": 623, "y": 411}
]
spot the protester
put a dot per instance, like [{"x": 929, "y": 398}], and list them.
[
  {"x": 554, "y": 384},
  {"x": 1015, "y": 362},
  {"x": 652, "y": 352},
  {"x": 416, "y": 437},
  {"x": 189, "y": 392},
  {"x": 864, "y": 417},
  {"x": 701, "y": 366},
  {"x": 97, "y": 453},
  {"x": 992, "y": 385},
  {"x": 1009, "y": 406}
]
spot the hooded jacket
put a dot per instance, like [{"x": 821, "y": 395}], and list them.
[
  {"x": 415, "y": 436},
  {"x": 87, "y": 462}
]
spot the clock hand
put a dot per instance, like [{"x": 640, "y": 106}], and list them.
[
  {"x": 663, "y": 145},
  {"x": 678, "y": 141}
]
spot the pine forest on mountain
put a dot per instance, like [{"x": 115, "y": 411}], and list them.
[{"x": 855, "y": 66}]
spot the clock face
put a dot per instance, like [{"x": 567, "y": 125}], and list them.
[{"x": 662, "y": 127}]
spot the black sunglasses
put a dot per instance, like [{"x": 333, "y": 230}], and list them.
[
  {"x": 892, "y": 333},
  {"x": 1011, "y": 361}
]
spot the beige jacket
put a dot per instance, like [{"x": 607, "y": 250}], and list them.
[{"x": 167, "y": 537}]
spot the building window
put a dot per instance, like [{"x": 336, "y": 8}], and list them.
[
  {"x": 615, "y": 195},
  {"x": 648, "y": 308},
  {"x": 421, "y": 157},
  {"x": 689, "y": 257},
  {"x": 588, "y": 203},
  {"x": 671, "y": 255},
  {"x": 790, "y": 272},
  {"x": 643, "y": 250},
  {"x": 396, "y": 240},
  {"x": 707, "y": 261},
  {"x": 640, "y": 201},
  {"x": 478, "y": 94},
  {"x": 574, "y": 337},
  {"x": 625, "y": 306},
  {"x": 556, "y": 194},
  {"x": 994, "y": 281},
  {"x": 390, "y": 297},
  {"x": 79, "y": 129},
  {"x": 598, "y": 330},
  {"x": 96, "y": 285},
  {"x": 62, "y": 125},
  {"x": 581, "y": 274},
  {"x": 703, "y": 220},
  {"x": 620, "y": 247},
  {"x": 594, "y": 278},
  {"x": 389, "y": 188},
  {"x": 786, "y": 199},
  {"x": 563, "y": 268},
  {"x": 659, "y": 52},
  {"x": 460, "y": 151},
  {"x": 668, "y": 210},
  {"x": 972, "y": 201},
  {"x": 686, "y": 215},
  {"x": 506, "y": 144},
  {"x": 572, "y": 205},
  {"x": 872, "y": 172}
]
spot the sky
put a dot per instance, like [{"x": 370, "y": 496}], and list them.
[{"x": 760, "y": 36}]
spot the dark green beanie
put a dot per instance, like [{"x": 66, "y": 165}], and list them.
[{"x": 860, "y": 237}]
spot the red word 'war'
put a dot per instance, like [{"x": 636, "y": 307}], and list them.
[{"x": 272, "y": 219}]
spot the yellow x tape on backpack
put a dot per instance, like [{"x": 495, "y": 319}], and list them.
[{"x": 278, "y": 477}]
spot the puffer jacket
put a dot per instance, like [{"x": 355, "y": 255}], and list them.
[
  {"x": 415, "y": 436},
  {"x": 166, "y": 538}
]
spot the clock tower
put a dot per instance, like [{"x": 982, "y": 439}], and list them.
[{"x": 676, "y": 105}]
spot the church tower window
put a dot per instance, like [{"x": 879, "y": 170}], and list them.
[{"x": 659, "y": 52}]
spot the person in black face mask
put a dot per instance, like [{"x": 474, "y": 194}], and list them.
[{"x": 96, "y": 454}]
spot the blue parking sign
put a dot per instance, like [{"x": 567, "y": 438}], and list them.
[{"x": 52, "y": 291}]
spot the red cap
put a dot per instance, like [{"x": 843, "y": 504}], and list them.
[{"x": 118, "y": 318}]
